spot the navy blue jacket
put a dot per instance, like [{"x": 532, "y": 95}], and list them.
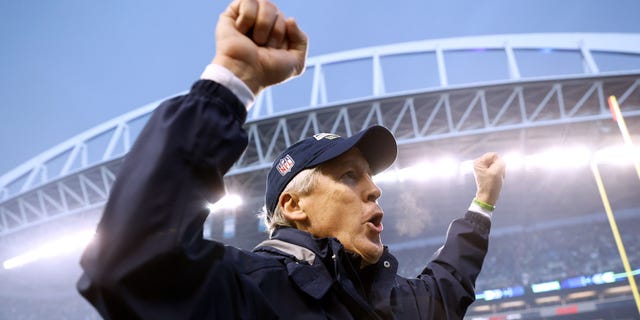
[{"x": 149, "y": 260}]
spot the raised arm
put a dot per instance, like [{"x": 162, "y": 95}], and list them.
[
  {"x": 446, "y": 286},
  {"x": 148, "y": 259}
]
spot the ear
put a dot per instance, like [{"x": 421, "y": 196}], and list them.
[{"x": 291, "y": 209}]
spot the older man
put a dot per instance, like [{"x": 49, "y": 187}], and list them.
[{"x": 324, "y": 257}]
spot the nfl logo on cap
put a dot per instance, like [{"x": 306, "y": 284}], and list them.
[{"x": 285, "y": 164}]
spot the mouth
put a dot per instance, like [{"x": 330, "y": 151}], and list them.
[{"x": 375, "y": 222}]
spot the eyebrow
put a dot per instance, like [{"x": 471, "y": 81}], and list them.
[{"x": 356, "y": 163}]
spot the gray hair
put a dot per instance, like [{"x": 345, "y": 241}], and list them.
[{"x": 303, "y": 184}]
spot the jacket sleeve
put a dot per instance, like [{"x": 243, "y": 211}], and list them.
[
  {"x": 148, "y": 247},
  {"x": 449, "y": 278}
]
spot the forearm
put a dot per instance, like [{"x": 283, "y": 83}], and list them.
[
  {"x": 455, "y": 267},
  {"x": 175, "y": 167}
]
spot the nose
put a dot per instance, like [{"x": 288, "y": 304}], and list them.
[{"x": 373, "y": 191}]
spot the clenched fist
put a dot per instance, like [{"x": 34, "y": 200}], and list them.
[
  {"x": 489, "y": 170},
  {"x": 257, "y": 44}
]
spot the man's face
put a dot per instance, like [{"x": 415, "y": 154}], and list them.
[{"x": 343, "y": 204}]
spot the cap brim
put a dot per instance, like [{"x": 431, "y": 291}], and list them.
[{"x": 377, "y": 145}]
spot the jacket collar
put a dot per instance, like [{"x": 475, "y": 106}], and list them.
[
  {"x": 308, "y": 270},
  {"x": 321, "y": 247},
  {"x": 314, "y": 269}
]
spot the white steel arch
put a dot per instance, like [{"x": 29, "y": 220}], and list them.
[{"x": 38, "y": 190}]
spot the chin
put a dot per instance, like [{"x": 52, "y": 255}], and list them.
[
  {"x": 372, "y": 256},
  {"x": 369, "y": 261}
]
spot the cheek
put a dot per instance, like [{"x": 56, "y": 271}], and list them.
[
  {"x": 344, "y": 196},
  {"x": 340, "y": 210},
  {"x": 350, "y": 211}
]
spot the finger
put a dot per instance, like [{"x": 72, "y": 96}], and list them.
[
  {"x": 278, "y": 32},
  {"x": 485, "y": 160},
  {"x": 498, "y": 167},
  {"x": 247, "y": 12},
  {"x": 502, "y": 165},
  {"x": 297, "y": 41},
  {"x": 265, "y": 21},
  {"x": 295, "y": 36}
]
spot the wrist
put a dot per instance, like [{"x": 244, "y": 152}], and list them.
[
  {"x": 227, "y": 78},
  {"x": 481, "y": 207},
  {"x": 486, "y": 197},
  {"x": 241, "y": 71},
  {"x": 483, "y": 204}
]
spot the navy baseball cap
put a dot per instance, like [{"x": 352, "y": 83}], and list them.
[{"x": 377, "y": 145}]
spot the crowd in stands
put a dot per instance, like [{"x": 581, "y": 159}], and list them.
[
  {"x": 544, "y": 253},
  {"x": 518, "y": 256}
]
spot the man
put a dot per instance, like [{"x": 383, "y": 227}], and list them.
[{"x": 324, "y": 258}]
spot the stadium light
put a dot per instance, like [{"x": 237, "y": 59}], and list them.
[
  {"x": 442, "y": 168},
  {"x": 446, "y": 168},
  {"x": 466, "y": 167},
  {"x": 421, "y": 171},
  {"x": 389, "y": 175},
  {"x": 414, "y": 172},
  {"x": 70, "y": 243},
  {"x": 617, "y": 155},
  {"x": 60, "y": 246},
  {"x": 514, "y": 161},
  {"x": 229, "y": 201},
  {"x": 560, "y": 158}
]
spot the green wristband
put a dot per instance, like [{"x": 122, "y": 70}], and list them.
[{"x": 484, "y": 205}]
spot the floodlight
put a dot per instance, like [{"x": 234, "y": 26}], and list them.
[
  {"x": 60, "y": 246},
  {"x": 466, "y": 167},
  {"x": 421, "y": 171},
  {"x": 560, "y": 158},
  {"x": 386, "y": 176},
  {"x": 514, "y": 161},
  {"x": 229, "y": 201},
  {"x": 617, "y": 155},
  {"x": 445, "y": 168}
]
